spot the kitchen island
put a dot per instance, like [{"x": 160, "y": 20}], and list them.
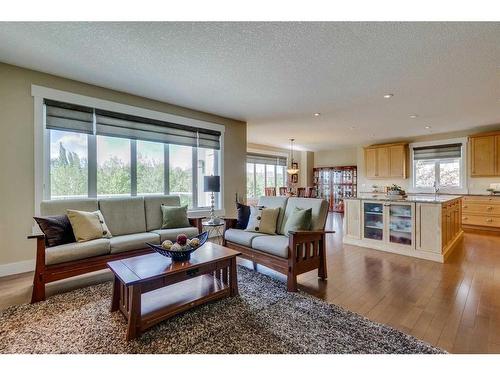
[{"x": 421, "y": 226}]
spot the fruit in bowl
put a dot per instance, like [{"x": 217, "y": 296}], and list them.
[
  {"x": 167, "y": 244},
  {"x": 195, "y": 242},
  {"x": 182, "y": 239},
  {"x": 176, "y": 247}
]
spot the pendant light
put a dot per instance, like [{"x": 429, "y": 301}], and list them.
[{"x": 292, "y": 170}]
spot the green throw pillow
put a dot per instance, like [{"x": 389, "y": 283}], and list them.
[
  {"x": 300, "y": 219},
  {"x": 174, "y": 217}
]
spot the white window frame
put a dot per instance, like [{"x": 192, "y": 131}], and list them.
[
  {"x": 463, "y": 188},
  {"x": 42, "y": 139}
]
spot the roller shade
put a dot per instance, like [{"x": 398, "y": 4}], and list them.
[
  {"x": 266, "y": 159},
  {"x": 438, "y": 152},
  {"x": 68, "y": 117},
  {"x": 132, "y": 127}
]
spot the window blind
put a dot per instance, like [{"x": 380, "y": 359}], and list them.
[
  {"x": 438, "y": 152},
  {"x": 133, "y": 127},
  {"x": 64, "y": 116},
  {"x": 266, "y": 159},
  {"x": 68, "y": 117}
]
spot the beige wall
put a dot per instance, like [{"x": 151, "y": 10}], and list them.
[
  {"x": 355, "y": 156},
  {"x": 17, "y": 154},
  {"x": 336, "y": 158}
]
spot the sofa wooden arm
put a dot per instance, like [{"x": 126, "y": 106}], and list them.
[
  {"x": 39, "y": 278},
  {"x": 230, "y": 223},
  {"x": 306, "y": 251},
  {"x": 196, "y": 222}
]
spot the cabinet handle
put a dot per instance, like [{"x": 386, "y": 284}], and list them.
[
  {"x": 489, "y": 220},
  {"x": 465, "y": 218},
  {"x": 465, "y": 206},
  {"x": 489, "y": 208}
]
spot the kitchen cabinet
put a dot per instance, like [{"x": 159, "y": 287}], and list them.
[
  {"x": 485, "y": 154},
  {"x": 386, "y": 161},
  {"x": 389, "y": 222},
  {"x": 421, "y": 227},
  {"x": 481, "y": 212}
]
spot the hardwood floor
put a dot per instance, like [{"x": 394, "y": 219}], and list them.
[{"x": 455, "y": 305}]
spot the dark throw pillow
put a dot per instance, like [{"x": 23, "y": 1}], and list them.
[
  {"x": 57, "y": 230},
  {"x": 243, "y": 215}
]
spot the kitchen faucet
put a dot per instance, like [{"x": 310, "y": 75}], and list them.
[{"x": 436, "y": 188}]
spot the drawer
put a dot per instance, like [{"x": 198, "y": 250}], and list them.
[
  {"x": 481, "y": 208},
  {"x": 481, "y": 199},
  {"x": 481, "y": 220}
]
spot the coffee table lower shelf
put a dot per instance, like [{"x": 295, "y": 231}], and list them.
[{"x": 163, "y": 303}]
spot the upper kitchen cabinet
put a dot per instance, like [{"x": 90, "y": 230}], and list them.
[
  {"x": 386, "y": 161},
  {"x": 485, "y": 154}
]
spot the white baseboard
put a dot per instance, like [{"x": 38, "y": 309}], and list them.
[{"x": 18, "y": 267}]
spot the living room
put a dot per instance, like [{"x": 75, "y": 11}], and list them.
[{"x": 192, "y": 187}]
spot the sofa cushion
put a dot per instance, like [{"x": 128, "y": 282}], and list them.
[
  {"x": 88, "y": 225},
  {"x": 263, "y": 220},
  {"x": 60, "y": 206},
  {"x": 274, "y": 245},
  {"x": 174, "y": 217},
  {"x": 274, "y": 202},
  {"x": 319, "y": 211},
  {"x": 134, "y": 241},
  {"x": 57, "y": 229},
  {"x": 152, "y": 205},
  {"x": 243, "y": 215},
  {"x": 124, "y": 215},
  {"x": 241, "y": 237},
  {"x": 300, "y": 219},
  {"x": 171, "y": 234},
  {"x": 76, "y": 250}
]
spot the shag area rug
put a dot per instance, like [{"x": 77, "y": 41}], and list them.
[{"x": 264, "y": 318}]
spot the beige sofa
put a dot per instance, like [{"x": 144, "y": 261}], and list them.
[
  {"x": 132, "y": 221},
  {"x": 300, "y": 252}
]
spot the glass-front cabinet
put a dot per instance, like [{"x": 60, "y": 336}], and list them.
[
  {"x": 391, "y": 222},
  {"x": 401, "y": 223},
  {"x": 373, "y": 219}
]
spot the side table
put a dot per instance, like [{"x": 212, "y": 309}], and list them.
[{"x": 215, "y": 231}]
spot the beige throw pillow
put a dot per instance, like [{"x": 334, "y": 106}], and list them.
[
  {"x": 88, "y": 225},
  {"x": 263, "y": 220}
]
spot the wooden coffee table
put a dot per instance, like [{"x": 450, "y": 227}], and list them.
[{"x": 150, "y": 288}]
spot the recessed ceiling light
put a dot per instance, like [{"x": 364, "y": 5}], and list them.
[
  {"x": 413, "y": 116},
  {"x": 317, "y": 114},
  {"x": 352, "y": 127},
  {"x": 388, "y": 96},
  {"x": 427, "y": 127}
]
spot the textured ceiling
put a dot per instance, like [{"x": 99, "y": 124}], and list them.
[{"x": 276, "y": 75}]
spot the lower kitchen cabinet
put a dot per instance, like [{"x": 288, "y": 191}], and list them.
[{"x": 427, "y": 230}]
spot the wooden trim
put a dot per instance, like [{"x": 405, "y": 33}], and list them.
[
  {"x": 386, "y": 145},
  {"x": 485, "y": 134}
]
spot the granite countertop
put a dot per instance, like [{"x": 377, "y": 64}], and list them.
[{"x": 424, "y": 198}]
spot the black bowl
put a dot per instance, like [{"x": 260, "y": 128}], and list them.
[{"x": 179, "y": 255}]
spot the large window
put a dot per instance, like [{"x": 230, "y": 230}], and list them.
[
  {"x": 264, "y": 171},
  {"x": 150, "y": 167},
  {"x": 113, "y": 166},
  {"x": 438, "y": 166},
  {"x": 181, "y": 173},
  {"x": 68, "y": 164},
  {"x": 94, "y": 153}
]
